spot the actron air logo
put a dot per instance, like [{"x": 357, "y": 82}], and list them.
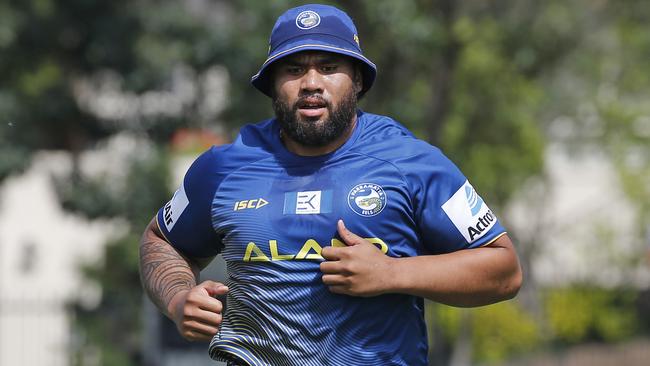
[
  {"x": 467, "y": 211},
  {"x": 473, "y": 199},
  {"x": 250, "y": 204}
]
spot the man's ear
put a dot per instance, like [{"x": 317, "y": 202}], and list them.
[
  {"x": 358, "y": 78},
  {"x": 270, "y": 79}
]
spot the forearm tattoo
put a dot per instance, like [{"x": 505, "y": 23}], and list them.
[{"x": 164, "y": 272}]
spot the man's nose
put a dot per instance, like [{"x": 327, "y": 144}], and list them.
[{"x": 312, "y": 80}]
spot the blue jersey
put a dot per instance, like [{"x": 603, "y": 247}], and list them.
[{"x": 269, "y": 212}]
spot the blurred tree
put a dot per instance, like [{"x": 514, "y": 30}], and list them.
[
  {"x": 619, "y": 120},
  {"x": 497, "y": 331},
  {"x": 586, "y": 313},
  {"x": 601, "y": 93},
  {"x": 50, "y": 50},
  {"x": 115, "y": 326},
  {"x": 583, "y": 61},
  {"x": 45, "y": 45}
]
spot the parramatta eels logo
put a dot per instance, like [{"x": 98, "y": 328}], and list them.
[
  {"x": 307, "y": 19},
  {"x": 367, "y": 199}
]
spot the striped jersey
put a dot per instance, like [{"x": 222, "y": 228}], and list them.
[{"x": 269, "y": 213}]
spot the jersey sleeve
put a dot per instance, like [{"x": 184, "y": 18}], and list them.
[
  {"x": 186, "y": 220},
  {"x": 450, "y": 214}
]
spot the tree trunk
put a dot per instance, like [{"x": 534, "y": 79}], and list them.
[
  {"x": 442, "y": 78},
  {"x": 462, "y": 353}
]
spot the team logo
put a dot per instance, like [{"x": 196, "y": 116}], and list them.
[
  {"x": 307, "y": 19},
  {"x": 367, "y": 199}
]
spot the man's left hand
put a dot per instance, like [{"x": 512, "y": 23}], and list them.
[{"x": 359, "y": 269}]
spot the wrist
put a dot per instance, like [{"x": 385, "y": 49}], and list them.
[
  {"x": 392, "y": 276},
  {"x": 175, "y": 304},
  {"x": 403, "y": 275}
]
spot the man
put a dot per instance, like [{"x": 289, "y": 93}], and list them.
[{"x": 334, "y": 223}]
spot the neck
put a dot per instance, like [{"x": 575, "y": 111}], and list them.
[{"x": 304, "y": 150}]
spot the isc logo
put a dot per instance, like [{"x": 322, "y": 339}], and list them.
[{"x": 254, "y": 203}]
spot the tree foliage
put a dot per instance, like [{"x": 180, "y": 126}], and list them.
[
  {"x": 117, "y": 272},
  {"x": 497, "y": 331},
  {"x": 584, "y": 313}
]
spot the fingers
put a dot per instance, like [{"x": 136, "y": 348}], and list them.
[
  {"x": 335, "y": 280},
  {"x": 197, "y": 331},
  {"x": 348, "y": 237},
  {"x": 209, "y": 302},
  {"x": 204, "y": 317},
  {"x": 196, "y": 336},
  {"x": 214, "y": 288},
  {"x": 337, "y": 284},
  {"x": 339, "y": 290},
  {"x": 199, "y": 298},
  {"x": 198, "y": 324},
  {"x": 330, "y": 267},
  {"x": 331, "y": 253},
  {"x": 201, "y": 312}
]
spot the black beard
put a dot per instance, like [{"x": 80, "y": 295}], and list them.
[{"x": 309, "y": 132}]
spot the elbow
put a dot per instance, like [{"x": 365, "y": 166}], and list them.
[
  {"x": 511, "y": 286},
  {"x": 502, "y": 289}
]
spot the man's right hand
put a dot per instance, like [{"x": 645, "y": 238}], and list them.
[{"x": 196, "y": 312}]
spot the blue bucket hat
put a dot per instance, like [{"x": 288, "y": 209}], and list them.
[{"x": 314, "y": 27}]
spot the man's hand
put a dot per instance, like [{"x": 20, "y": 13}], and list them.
[
  {"x": 196, "y": 312},
  {"x": 360, "y": 269}
]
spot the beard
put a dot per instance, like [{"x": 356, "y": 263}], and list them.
[{"x": 313, "y": 132}]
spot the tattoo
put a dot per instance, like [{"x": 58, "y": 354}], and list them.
[{"x": 164, "y": 272}]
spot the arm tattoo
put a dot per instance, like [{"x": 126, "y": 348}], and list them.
[{"x": 164, "y": 272}]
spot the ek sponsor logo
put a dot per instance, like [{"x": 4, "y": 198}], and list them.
[{"x": 307, "y": 202}]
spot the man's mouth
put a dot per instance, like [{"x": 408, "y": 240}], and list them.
[{"x": 312, "y": 107}]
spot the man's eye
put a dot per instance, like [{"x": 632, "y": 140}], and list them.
[
  {"x": 294, "y": 70},
  {"x": 328, "y": 68}
]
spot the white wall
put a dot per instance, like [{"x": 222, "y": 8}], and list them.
[
  {"x": 582, "y": 222},
  {"x": 41, "y": 248}
]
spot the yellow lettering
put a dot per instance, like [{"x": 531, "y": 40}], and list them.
[
  {"x": 310, "y": 245},
  {"x": 254, "y": 203},
  {"x": 275, "y": 256},
  {"x": 259, "y": 255},
  {"x": 311, "y": 249},
  {"x": 376, "y": 241},
  {"x": 380, "y": 243}
]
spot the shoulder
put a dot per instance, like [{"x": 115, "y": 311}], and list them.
[
  {"x": 256, "y": 137},
  {"x": 387, "y": 139},
  {"x": 253, "y": 143},
  {"x": 376, "y": 126},
  {"x": 419, "y": 163}
]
